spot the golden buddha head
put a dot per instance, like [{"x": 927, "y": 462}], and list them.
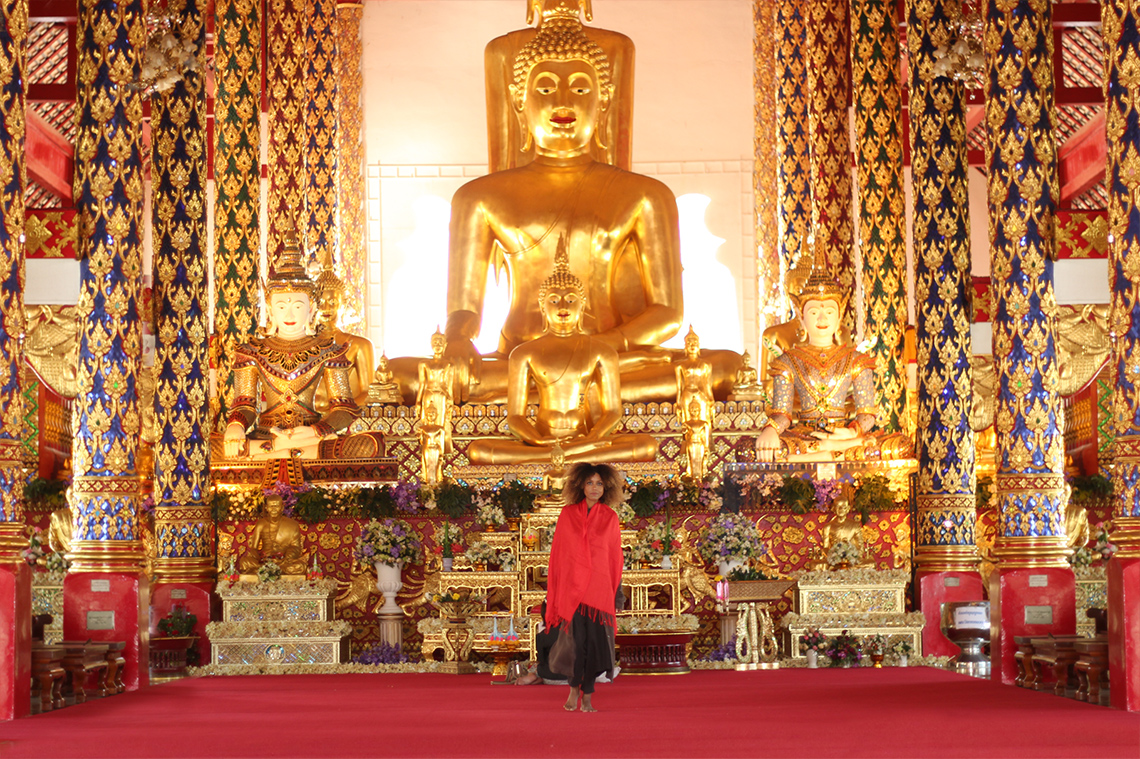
[
  {"x": 562, "y": 86},
  {"x": 820, "y": 306},
  {"x": 289, "y": 294},
  {"x": 562, "y": 297},
  {"x": 692, "y": 343},
  {"x": 543, "y": 9},
  {"x": 329, "y": 289},
  {"x": 438, "y": 343}
]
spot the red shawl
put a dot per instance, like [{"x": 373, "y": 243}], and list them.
[{"x": 585, "y": 565}]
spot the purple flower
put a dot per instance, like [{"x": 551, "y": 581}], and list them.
[
  {"x": 369, "y": 550},
  {"x": 395, "y": 552}
]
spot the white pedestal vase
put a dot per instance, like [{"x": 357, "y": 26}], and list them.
[
  {"x": 666, "y": 562},
  {"x": 903, "y": 660},
  {"x": 388, "y": 582},
  {"x": 448, "y": 561},
  {"x": 812, "y": 659},
  {"x": 725, "y": 567}
]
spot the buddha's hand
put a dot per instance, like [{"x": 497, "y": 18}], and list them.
[
  {"x": 467, "y": 365},
  {"x": 296, "y": 437},
  {"x": 839, "y": 434},
  {"x": 768, "y": 444},
  {"x": 234, "y": 439}
]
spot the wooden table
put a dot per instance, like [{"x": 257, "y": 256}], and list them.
[
  {"x": 82, "y": 660},
  {"x": 1056, "y": 654}
]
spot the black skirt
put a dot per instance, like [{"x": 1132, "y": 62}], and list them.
[{"x": 584, "y": 650}]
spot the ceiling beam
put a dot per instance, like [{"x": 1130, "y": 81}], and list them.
[
  {"x": 51, "y": 161},
  {"x": 1082, "y": 160}
]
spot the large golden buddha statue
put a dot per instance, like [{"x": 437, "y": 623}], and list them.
[
  {"x": 358, "y": 350},
  {"x": 507, "y": 143},
  {"x": 301, "y": 379},
  {"x": 578, "y": 384},
  {"x": 823, "y": 392},
  {"x": 621, "y": 233}
]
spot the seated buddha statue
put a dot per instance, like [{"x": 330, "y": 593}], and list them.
[
  {"x": 384, "y": 388},
  {"x": 621, "y": 232},
  {"x": 747, "y": 387},
  {"x": 813, "y": 383},
  {"x": 300, "y": 378},
  {"x": 842, "y": 527},
  {"x": 357, "y": 349},
  {"x": 578, "y": 386},
  {"x": 276, "y": 538}
]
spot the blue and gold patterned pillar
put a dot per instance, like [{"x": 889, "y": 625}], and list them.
[
  {"x": 237, "y": 185},
  {"x": 15, "y": 575},
  {"x": 285, "y": 81},
  {"x": 1033, "y": 590},
  {"x": 322, "y": 105},
  {"x": 106, "y": 595},
  {"x": 793, "y": 147},
  {"x": 184, "y": 541},
  {"x": 945, "y": 551},
  {"x": 1121, "y": 30},
  {"x": 882, "y": 217}
]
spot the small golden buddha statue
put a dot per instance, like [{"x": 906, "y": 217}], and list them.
[
  {"x": 571, "y": 372},
  {"x": 357, "y": 349},
  {"x": 433, "y": 439},
  {"x": 276, "y": 538},
  {"x": 554, "y": 478},
  {"x": 695, "y": 403},
  {"x": 60, "y": 527},
  {"x": 696, "y": 438},
  {"x": 435, "y": 384},
  {"x": 621, "y": 231},
  {"x": 384, "y": 388},
  {"x": 292, "y": 392},
  {"x": 508, "y": 144},
  {"x": 842, "y": 527},
  {"x": 1077, "y": 529},
  {"x": 813, "y": 383},
  {"x": 747, "y": 387}
]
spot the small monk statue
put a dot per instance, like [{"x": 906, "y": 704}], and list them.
[
  {"x": 433, "y": 439},
  {"x": 812, "y": 385},
  {"x": 276, "y": 538},
  {"x": 842, "y": 527},
  {"x": 621, "y": 231},
  {"x": 292, "y": 392},
  {"x": 747, "y": 387},
  {"x": 384, "y": 388},
  {"x": 572, "y": 372},
  {"x": 358, "y": 350},
  {"x": 435, "y": 375}
]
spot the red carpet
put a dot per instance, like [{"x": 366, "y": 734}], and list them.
[{"x": 788, "y": 713}]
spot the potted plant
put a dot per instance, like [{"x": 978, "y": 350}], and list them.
[
  {"x": 844, "y": 650},
  {"x": 813, "y": 643},
  {"x": 447, "y": 542},
  {"x": 877, "y": 648},
  {"x": 514, "y": 498},
  {"x": 729, "y": 542},
  {"x": 662, "y": 542},
  {"x": 903, "y": 650},
  {"x": 481, "y": 554},
  {"x": 388, "y": 544}
]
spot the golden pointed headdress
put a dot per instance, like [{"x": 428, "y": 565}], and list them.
[
  {"x": 289, "y": 275},
  {"x": 820, "y": 287},
  {"x": 562, "y": 276}
]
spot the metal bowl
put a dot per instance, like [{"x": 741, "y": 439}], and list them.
[{"x": 967, "y": 625}]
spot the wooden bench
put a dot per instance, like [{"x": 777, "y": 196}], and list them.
[
  {"x": 1055, "y": 655},
  {"x": 116, "y": 663},
  {"x": 47, "y": 677},
  {"x": 1024, "y": 658},
  {"x": 86, "y": 667},
  {"x": 1092, "y": 670}
]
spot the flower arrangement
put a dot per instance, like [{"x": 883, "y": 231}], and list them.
[
  {"x": 641, "y": 553},
  {"x": 455, "y": 604},
  {"x": 390, "y": 541},
  {"x": 451, "y": 498},
  {"x": 825, "y": 493},
  {"x": 488, "y": 513},
  {"x": 1101, "y": 544},
  {"x": 230, "y": 573},
  {"x": 56, "y": 562},
  {"x": 902, "y": 648},
  {"x": 625, "y": 512},
  {"x": 179, "y": 623},
  {"x": 448, "y": 541},
  {"x": 514, "y": 497},
  {"x": 647, "y": 497},
  {"x": 730, "y": 537},
  {"x": 381, "y": 653},
  {"x": 506, "y": 561},
  {"x": 844, "y": 650},
  {"x": 705, "y": 492},
  {"x": 843, "y": 552},
  {"x": 661, "y": 540},
  {"x": 270, "y": 571},
  {"x": 876, "y": 644},
  {"x": 873, "y": 494},
  {"x": 481, "y": 552},
  {"x": 757, "y": 489},
  {"x": 813, "y": 640},
  {"x": 35, "y": 550},
  {"x": 749, "y": 573}
]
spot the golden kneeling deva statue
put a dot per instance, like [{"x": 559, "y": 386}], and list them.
[
  {"x": 576, "y": 376},
  {"x": 823, "y": 393}
]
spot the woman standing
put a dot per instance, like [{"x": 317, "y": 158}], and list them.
[{"x": 584, "y": 577}]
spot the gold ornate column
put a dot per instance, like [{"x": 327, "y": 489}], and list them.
[
  {"x": 322, "y": 103},
  {"x": 109, "y": 198},
  {"x": 882, "y": 218},
  {"x": 1122, "y": 118},
  {"x": 353, "y": 229},
  {"x": 793, "y": 146},
  {"x": 1022, "y": 172},
  {"x": 237, "y": 185},
  {"x": 828, "y": 74},
  {"x": 183, "y": 524},
  {"x": 285, "y": 81},
  {"x": 770, "y": 305}
]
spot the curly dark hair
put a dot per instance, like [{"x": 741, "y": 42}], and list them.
[{"x": 574, "y": 491}]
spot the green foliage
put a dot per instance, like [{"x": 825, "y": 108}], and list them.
[
  {"x": 1091, "y": 488},
  {"x": 748, "y": 573},
  {"x": 514, "y": 498},
  {"x": 454, "y": 499},
  {"x": 648, "y": 497},
  {"x": 221, "y": 502},
  {"x": 873, "y": 494},
  {"x": 312, "y": 505},
  {"x": 51, "y": 494},
  {"x": 983, "y": 491},
  {"x": 797, "y": 493},
  {"x": 376, "y": 503},
  {"x": 179, "y": 623}
]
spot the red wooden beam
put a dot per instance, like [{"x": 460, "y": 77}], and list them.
[
  {"x": 51, "y": 162},
  {"x": 1082, "y": 160},
  {"x": 53, "y": 11}
]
